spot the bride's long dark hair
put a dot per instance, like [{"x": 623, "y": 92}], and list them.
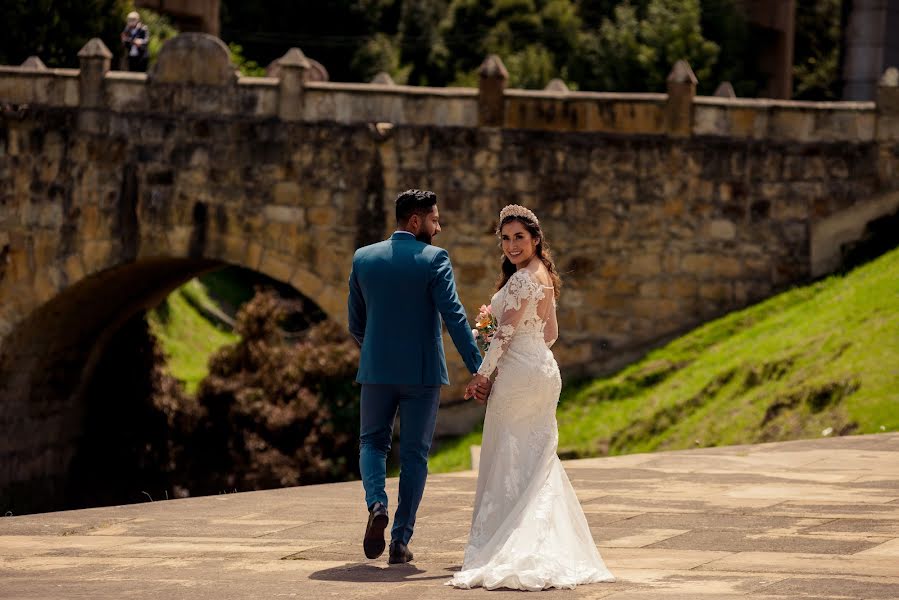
[{"x": 542, "y": 251}]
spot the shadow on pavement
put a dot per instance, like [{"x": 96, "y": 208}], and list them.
[{"x": 370, "y": 573}]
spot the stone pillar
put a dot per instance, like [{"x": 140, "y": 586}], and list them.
[
  {"x": 292, "y": 71},
  {"x": 888, "y": 105},
  {"x": 887, "y": 127},
  {"x": 95, "y": 59},
  {"x": 34, "y": 62},
  {"x": 557, "y": 85},
  {"x": 725, "y": 90},
  {"x": 491, "y": 92},
  {"x": 681, "y": 91},
  {"x": 383, "y": 78}
]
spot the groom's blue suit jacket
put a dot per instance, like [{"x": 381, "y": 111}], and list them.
[{"x": 399, "y": 289}]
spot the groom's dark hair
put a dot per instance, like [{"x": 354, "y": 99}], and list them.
[{"x": 413, "y": 202}]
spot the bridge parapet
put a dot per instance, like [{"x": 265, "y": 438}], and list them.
[{"x": 193, "y": 75}]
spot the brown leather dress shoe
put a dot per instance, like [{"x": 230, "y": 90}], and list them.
[
  {"x": 399, "y": 553},
  {"x": 373, "y": 542}
]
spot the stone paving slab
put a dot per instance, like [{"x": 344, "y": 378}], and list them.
[{"x": 807, "y": 519}]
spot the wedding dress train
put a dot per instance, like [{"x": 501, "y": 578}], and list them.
[{"x": 528, "y": 530}]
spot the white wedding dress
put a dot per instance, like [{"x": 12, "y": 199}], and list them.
[{"x": 528, "y": 531}]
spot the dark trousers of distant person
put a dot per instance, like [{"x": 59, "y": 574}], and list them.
[{"x": 137, "y": 63}]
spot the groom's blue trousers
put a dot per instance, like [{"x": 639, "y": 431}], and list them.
[{"x": 417, "y": 405}]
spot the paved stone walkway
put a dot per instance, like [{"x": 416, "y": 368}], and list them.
[{"x": 808, "y": 519}]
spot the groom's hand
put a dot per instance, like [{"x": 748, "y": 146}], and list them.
[
  {"x": 480, "y": 388},
  {"x": 469, "y": 389}
]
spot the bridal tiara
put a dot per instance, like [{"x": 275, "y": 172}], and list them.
[{"x": 515, "y": 210}]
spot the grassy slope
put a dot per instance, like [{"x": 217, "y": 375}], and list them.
[
  {"x": 817, "y": 357},
  {"x": 187, "y": 337}
]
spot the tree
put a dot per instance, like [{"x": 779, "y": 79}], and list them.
[
  {"x": 380, "y": 53},
  {"x": 330, "y": 32},
  {"x": 629, "y": 53},
  {"x": 816, "y": 62},
  {"x": 724, "y": 22},
  {"x": 277, "y": 413},
  {"x": 418, "y": 37},
  {"x": 55, "y": 30},
  {"x": 671, "y": 32}
]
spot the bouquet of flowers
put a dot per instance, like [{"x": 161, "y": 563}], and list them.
[{"x": 485, "y": 327}]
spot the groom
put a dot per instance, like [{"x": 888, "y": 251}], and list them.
[{"x": 399, "y": 289}]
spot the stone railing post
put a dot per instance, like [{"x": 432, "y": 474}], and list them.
[
  {"x": 886, "y": 127},
  {"x": 34, "y": 62},
  {"x": 888, "y": 105},
  {"x": 491, "y": 92},
  {"x": 95, "y": 59},
  {"x": 557, "y": 85},
  {"x": 725, "y": 90},
  {"x": 292, "y": 72},
  {"x": 681, "y": 91}
]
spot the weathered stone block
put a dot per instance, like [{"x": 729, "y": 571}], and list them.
[
  {"x": 699, "y": 264},
  {"x": 624, "y": 287},
  {"x": 322, "y": 216},
  {"x": 727, "y": 267},
  {"x": 469, "y": 255},
  {"x": 254, "y": 255},
  {"x": 284, "y": 214},
  {"x": 716, "y": 292},
  {"x": 679, "y": 287},
  {"x": 757, "y": 266},
  {"x": 653, "y": 308},
  {"x": 790, "y": 208},
  {"x": 645, "y": 265},
  {"x": 97, "y": 255},
  {"x": 573, "y": 354},
  {"x": 276, "y": 265},
  {"x": 721, "y": 229},
  {"x": 19, "y": 258},
  {"x": 306, "y": 282},
  {"x": 286, "y": 192},
  {"x": 648, "y": 289}
]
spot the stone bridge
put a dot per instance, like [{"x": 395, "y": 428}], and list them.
[{"x": 664, "y": 210}]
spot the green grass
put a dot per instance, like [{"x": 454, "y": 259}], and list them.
[
  {"x": 454, "y": 454},
  {"x": 824, "y": 356},
  {"x": 229, "y": 288},
  {"x": 188, "y": 337}
]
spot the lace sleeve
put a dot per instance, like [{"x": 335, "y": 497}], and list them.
[{"x": 520, "y": 292}]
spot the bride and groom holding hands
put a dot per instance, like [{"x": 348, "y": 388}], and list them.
[{"x": 528, "y": 530}]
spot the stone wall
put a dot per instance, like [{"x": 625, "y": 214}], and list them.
[{"x": 663, "y": 210}]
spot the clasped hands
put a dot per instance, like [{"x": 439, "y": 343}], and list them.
[{"x": 478, "y": 388}]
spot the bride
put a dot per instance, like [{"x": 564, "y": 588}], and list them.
[{"x": 528, "y": 531}]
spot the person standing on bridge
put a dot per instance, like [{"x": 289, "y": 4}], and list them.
[
  {"x": 136, "y": 40},
  {"x": 399, "y": 290}
]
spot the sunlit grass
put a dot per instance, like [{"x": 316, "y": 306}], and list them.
[
  {"x": 188, "y": 338},
  {"x": 824, "y": 357}
]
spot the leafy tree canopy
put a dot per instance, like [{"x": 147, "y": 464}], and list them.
[{"x": 607, "y": 45}]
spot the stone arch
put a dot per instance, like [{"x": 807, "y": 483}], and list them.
[
  {"x": 49, "y": 353},
  {"x": 831, "y": 236}
]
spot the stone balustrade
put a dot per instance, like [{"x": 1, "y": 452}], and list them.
[{"x": 194, "y": 75}]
